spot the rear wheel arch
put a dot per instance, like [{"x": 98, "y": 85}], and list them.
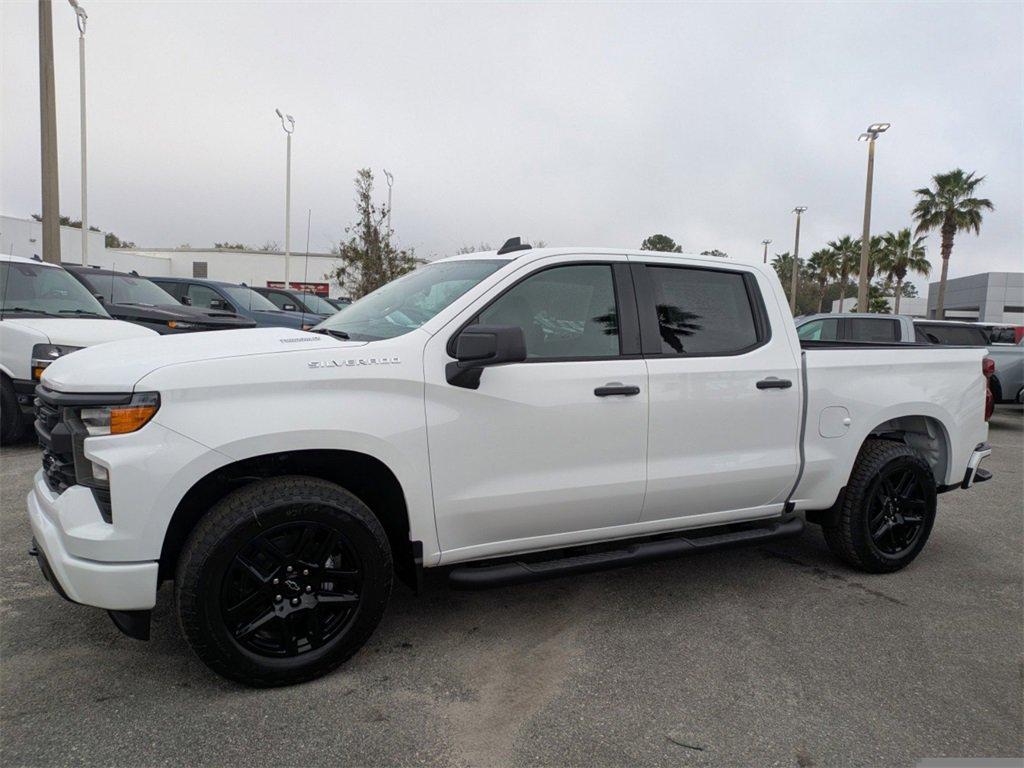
[
  {"x": 365, "y": 476},
  {"x": 925, "y": 434}
]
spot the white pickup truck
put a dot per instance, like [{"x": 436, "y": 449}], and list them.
[
  {"x": 509, "y": 415},
  {"x": 45, "y": 313}
]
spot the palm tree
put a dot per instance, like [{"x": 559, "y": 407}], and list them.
[
  {"x": 848, "y": 252},
  {"x": 902, "y": 253},
  {"x": 950, "y": 207},
  {"x": 824, "y": 267},
  {"x": 782, "y": 263}
]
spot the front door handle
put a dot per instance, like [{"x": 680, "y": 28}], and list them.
[
  {"x": 773, "y": 383},
  {"x": 616, "y": 389}
]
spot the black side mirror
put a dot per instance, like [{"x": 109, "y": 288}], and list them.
[
  {"x": 186, "y": 301},
  {"x": 480, "y": 346},
  {"x": 99, "y": 298}
]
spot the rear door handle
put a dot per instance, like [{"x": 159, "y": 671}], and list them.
[
  {"x": 773, "y": 383},
  {"x": 616, "y": 389}
]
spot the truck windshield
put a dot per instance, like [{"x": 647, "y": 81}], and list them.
[
  {"x": 125, "y": 289},
  {"x": 37, "y": 289},
  {"x": 247, "y": 298},
  {"x": 407, "y": 303},
  {"x": 318, "y": 304}
]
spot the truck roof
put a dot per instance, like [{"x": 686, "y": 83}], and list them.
[{"x": 23, "y": 260}]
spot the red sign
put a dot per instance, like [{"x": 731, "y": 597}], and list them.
[{"x": 320, "y": 289}]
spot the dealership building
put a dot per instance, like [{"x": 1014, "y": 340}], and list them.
[
  {"x": 991, "y": 297},
  {"x": 23, "y": 237}
]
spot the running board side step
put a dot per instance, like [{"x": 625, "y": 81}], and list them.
[{"x": 508, "y": 573}]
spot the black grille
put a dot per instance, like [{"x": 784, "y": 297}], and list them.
[
  {"x": 62, "y": 438},
  {"x": 55, "y": 440}
]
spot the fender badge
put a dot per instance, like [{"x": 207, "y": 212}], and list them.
[{"x": 354, "y": 361}]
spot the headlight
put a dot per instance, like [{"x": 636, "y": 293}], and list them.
[
  {"x": 44, "y": 354},
  {"x": 179, "y": 324},
  {"x": 120, "y": 419}
]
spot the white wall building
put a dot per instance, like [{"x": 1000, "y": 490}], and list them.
[{"x": 23, "y": 237}]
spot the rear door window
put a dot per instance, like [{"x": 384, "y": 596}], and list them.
[
  {"x": 872, "y": 329},
  {"x": 702, "y": 311}
]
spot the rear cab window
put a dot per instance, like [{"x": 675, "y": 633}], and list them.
[{"x": 960, "y": 335}]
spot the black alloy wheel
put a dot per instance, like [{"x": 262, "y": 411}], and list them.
[
  {"x": 283, "y": 580},
  {"x": 887, "y": 510},
  {"x": 897, "y": 510},
  {"x": 291, "y": 589}
]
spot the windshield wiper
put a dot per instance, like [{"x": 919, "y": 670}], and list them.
[
  {"x": 27, "y": 309},
  {"x": 336, "y": 334},
  {"x": 81, "y": 312}
]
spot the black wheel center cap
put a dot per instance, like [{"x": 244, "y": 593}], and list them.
[{"x": 293, "y": 585}]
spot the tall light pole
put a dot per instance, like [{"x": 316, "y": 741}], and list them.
[
  {"x": 796, "y": 260},
  {"x": 48, "y": 137},
  {"x": 766, "y": 243},
  {"x": 81, "y": 16},
  {"x": 873, "y": 132},
  {"x": 288, "y": 123}
]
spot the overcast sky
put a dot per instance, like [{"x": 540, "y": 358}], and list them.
[{"x": 578, "y": 124}]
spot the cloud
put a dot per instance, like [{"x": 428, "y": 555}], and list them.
[{"x": 576, "y": 124}]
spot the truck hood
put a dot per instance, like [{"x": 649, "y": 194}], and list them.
[
  {"x": 116, "y": 367},
  {"x": 81, "y": 331}
]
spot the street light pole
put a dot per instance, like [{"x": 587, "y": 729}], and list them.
[
  {"x": 766, "y": 243},
  {"x": 48, "y": 137},
  {"x": 796, "y": 260},
  {"x": 870, "y": 135},
  {"x": 288, "y": 124},
  {"x": 81, "y": 16}
]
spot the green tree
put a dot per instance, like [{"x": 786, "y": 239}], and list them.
[
  {"x": 715, "y": 252},
  {"x": 110, "y": 240},
  {"x": 847, "y": 251},
  {"x": 228, "y": 246},
  {"x": 950, "y": 207},
  {"x": 368, "y": 259},
  {"x": 660, "y": 243},
  {"x": 824, "y": 267},
  {"x": 902, "y": 253}
]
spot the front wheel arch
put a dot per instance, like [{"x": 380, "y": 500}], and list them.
[{"x": 365, "y": 476}]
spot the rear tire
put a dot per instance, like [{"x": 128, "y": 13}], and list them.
[
  {"x": 887, "y": 511},
  {"x": 282, "y": 581},
  {"x": 12, "y": 422}
]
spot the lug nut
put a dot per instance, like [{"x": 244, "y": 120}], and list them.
[
  {"x": 295, "y": 601},
  {"x": 278, "y": 598},
  {"x": 289, "y": 569},
  {"x": 305, "y": 572},
  {"x": 309, "y": 588},
  {"x": 277, "y": 581}
]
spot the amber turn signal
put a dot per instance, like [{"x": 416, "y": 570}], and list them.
[{"x": 130, "y": 418}]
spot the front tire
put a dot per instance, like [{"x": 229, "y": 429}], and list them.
[
  {"x": 282, "y": 581},
  {"x": 887, "y": 511}
]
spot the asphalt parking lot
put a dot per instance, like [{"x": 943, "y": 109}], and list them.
[{"x": 776, "y": 655}]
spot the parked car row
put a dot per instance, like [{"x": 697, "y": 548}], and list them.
[
  {"x": 47, "y": 311},
  {"x": 1005, "y": 343}
]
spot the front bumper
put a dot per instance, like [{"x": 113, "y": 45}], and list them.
[
  {"x": 123, "y": 586},
  {"x": 26, "y": 393}
]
